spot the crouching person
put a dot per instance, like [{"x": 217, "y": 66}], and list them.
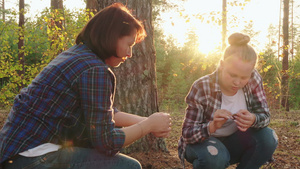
[
  {"x": 227, "y": 114},
  {"x": 65, "y": 118}
]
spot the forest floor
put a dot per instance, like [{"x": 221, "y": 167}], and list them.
[{"x": 287, "y": 154}]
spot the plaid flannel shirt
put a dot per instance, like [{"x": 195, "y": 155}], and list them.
[
  {"x": 205, "y": 98},
  {"x": 69, "y": 102}
]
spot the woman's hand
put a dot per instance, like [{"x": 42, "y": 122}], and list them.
[
  {"x": 160, "y": 124},
  {"x": 220, "y": 117},
  {"x": 244, "y": 119}
]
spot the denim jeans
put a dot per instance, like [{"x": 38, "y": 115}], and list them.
[
  {"x": 75, "y": 158},
  {"x": 251, "y": 149}
]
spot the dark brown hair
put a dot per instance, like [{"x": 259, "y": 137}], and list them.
[{"x": 103, "y": 30}]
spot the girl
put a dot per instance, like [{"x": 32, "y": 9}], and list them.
[{"x": 227, "y": 115}]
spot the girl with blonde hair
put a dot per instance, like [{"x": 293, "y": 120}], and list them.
[{"x": 227, "y": 114}]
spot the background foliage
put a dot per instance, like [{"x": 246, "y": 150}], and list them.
[
  {"x": 177, "y": 66},
  {"x": 42, "y": 39}
]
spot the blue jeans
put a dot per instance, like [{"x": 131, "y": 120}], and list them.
[
  {"x": 251, "y": 149},
  {"x": 75, "y": 158}
]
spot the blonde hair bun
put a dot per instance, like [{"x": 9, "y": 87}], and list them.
[{"x": 237, "y": 39}]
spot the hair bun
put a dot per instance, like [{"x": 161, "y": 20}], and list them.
[{"x": 238, "y": 39}]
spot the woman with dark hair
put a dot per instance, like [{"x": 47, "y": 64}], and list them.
[
  {"x": 227, "y": 114},
  {"x": 65, "y": 118}
]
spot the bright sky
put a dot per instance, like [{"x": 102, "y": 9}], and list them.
[
  {"x": 261, "y": 12},
  {"x": 38, "y": 5}
]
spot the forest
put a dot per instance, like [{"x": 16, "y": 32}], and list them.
[{"x": 28, "y": 45}]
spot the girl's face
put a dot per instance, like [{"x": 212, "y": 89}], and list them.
[
  {"x": 124, "y": 50},
  {"x": 235, "y": 74}
]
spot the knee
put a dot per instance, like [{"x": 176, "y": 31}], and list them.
[
  {"x": 211, "y": 161},
  {"x": 267, "y": 139},
  {"x": 211, "y": 157},
  {"x": 275, "y": 138},
  {"x": 272, "y": 139},
  {"x": 126, "y": 162},
  {"x": 135, "y": 164}
]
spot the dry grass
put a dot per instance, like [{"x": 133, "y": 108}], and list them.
[{"x": 287, "y": 154}]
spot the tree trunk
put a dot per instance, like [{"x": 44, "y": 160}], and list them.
[
  {"x": 224, "y": 24},
  {"x": 58, "y": 4},
  {"x": 3, "y": 10},
  {"x": 56, "y": 26},
  {"x": 285, "y": 60},
  {"x": 21, "y": 39},
  {"x": 136, "y": 91},
  {"x": 92, "y": 6}
]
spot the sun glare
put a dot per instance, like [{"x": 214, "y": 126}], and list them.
[
  {"x": 205, "y": 18},
  {"x": 208, "y": 35},
  {"x": 179, "y": 24},
  {"x": 209, "y": 38}
]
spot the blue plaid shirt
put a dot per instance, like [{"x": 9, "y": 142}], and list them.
[
  {"x": 69, "y": 103},
  {"x": 205, "y": 98}
]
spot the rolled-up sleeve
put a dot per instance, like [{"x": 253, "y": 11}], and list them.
[
  {"x": 259, "y": 102},
  {"x": 96, "y": 88},
  {"x": 194, "y": 126}
]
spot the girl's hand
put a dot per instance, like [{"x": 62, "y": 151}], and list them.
[
  {"x": 220, "y": 117},
  {"x": 244, "y": 119}
]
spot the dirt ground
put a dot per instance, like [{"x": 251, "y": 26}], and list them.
[{"x": 287, "y": 154}]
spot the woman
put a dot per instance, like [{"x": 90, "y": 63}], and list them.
[
  {"x": 227, "y": 115},
  {"x": 65, "y": 118}
]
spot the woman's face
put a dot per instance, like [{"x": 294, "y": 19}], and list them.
[
  {"x": 124, "y": 50},
  {"x": 235, "y": 74}
]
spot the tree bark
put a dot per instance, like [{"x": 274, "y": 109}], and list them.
[
  {"x": 136, "y": 91},
  {"x": 285, "y": 59},
  {"x": 92, "y": 6},
  {"x": 3, "y": 10},
  {"x": 224, "y": 24},
  {"x": 57, "y": 24},
  {"x": 58, "y": 4},
  {"x": 21, "y": 39}
]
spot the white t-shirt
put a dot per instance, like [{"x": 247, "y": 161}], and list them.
[{"x": 232, "y": 104}]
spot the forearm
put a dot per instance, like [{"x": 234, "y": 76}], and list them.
[
  {"x": 262, "y": 120},
  {"x": 156, "y": 123},
  {"x": 135, "y": 132},
  {"x": 211, "y": 127},
  {"x": 261, "y": 111},
  {"x": 195, "y": 127},
  {"x": 123, "y": 119},
  {"x": 259, "y": 104},
  {"x": 194, "y": 134}
]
